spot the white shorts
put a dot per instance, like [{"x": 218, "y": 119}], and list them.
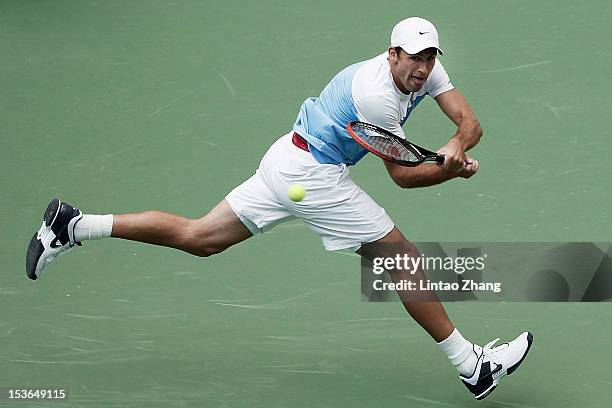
[{"x": 341, "y": 213}]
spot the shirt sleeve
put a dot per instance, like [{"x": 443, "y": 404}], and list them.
[
  {"x": 380, "y": 110},
  {"x": 438, "y": 81}
]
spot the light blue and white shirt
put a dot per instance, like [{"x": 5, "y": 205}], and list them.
[{"x": 364, "y": 91}]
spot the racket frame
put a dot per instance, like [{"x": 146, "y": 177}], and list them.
[{"x": 426, "y": 155}]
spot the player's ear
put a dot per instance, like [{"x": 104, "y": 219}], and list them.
[{"x": 393, "y": 57}]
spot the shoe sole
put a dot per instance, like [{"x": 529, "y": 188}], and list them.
[
  {"x": 486, "y": 393},
  {"x": 51, "y": 212},
  {"x": 35, "y": 250},
  {"x": 510, "y": 370},
  {"x": 35, "y": 247}
]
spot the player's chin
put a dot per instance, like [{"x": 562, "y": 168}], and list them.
[{"x": 412, "y": 87}]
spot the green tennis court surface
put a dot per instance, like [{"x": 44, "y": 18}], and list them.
[{"x": 126, "y": 106}]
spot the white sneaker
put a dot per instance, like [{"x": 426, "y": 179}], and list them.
[
  {"x": 496, "y": 362},
  {"x": 54, "y": 238}
]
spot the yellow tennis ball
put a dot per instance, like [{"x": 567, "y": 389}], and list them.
[{"x": 296, "y": 192}]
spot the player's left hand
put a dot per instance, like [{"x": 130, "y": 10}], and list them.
[
  {"x": 470, "y": 167},
  {"x": 454, "y": 156}
]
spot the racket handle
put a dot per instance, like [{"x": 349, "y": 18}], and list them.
[{"x": 440, "y": 158}]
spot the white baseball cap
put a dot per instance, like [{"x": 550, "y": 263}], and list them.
[{"x": 415, "y": 34}]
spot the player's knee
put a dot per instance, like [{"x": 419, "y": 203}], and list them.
[
  {"x": 201, "y": 240},
  {"x": 206, "y": 251},
  {"x": 390, "y": 245}
]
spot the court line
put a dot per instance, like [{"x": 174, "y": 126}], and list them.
[
  {"x": 81, "y": 352},
  {"x": 127, "y": 149},
  {"x": 502, "y": 319},
  {"x": 159, "y": 316},
  {"x": 282, "y": 338},
  {"x": 370, "y": 319},
  {"x": 511, "y": 404},
  {"x": 590, "y": 144},
  {"x": 243, "y": 306},
  {"x": 51, "y": 362},
  {"x": 555, "y": 110},
  {"x": 92, "y": 317},
  {"x": 308, "y": 372},
  {"x": 518, "y": 67},
  {"x": 282, "y": 366},
  {"x": 278, "y": 303},
  {"x": 412, "y": 397},
  {"x": 227, "y": 84},
  {"x": 7, "y": 291},
  {"x": 9, "y": 332},
  {"x": 81, "y": 338},
  {"x": 172, "y": 102},
  {"x": 563, "y": 173},
  {"x": 140, "y": 348}
]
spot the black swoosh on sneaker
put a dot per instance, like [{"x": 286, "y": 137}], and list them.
[{"x": 484, "y": 382}]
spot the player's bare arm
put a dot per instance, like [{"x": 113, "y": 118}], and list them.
[
  {"x": 456, "y": 163},
  {"x": 427, "y": 175},
  {"x": 468, "y": 134}
]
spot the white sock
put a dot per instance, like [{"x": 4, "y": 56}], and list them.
[
  {"x": 460, "y": 353},
  {"x": 93, "y": 227}
]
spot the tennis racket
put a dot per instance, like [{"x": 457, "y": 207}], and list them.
[{"x": 390, "y": 147}]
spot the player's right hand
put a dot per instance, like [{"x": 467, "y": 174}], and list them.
[{"x": 454, "y": 156}]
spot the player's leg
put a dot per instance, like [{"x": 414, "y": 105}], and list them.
[
  {"x": 480, "y": 368},
  {"x": 209, "y": 235},
  {"x": 248, "y": 209},
  {"x": 424, "y": 307},
  {"x": 65, "y": 226}
]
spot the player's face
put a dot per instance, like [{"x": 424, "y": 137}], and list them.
[{"x": 410, "y": 71}]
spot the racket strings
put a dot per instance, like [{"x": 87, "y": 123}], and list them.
[{"x": 385, "y": 144}]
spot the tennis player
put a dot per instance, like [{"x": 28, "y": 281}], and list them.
[{"x": 383, "y": 91}]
